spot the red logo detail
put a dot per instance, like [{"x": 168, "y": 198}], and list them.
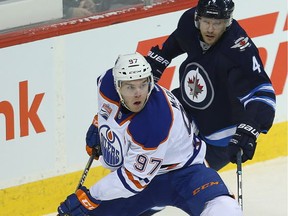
[{"x": 195, "y": 87}]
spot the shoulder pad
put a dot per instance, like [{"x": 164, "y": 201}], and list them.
[
  {"x": 151, "y": 126},
  {"x": 236, "y": 39},
  {"x": 106, "y": 86}
]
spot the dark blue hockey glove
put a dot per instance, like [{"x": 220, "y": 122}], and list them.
[
  {"x": 158, "y": 62},
  {"x": 245, "y": 139},
  {"x": 93, "y": 139},
  {"x": 80, "y": 203}
]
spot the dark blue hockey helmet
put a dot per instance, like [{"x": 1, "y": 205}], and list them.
[{"x": 217, "y": 9}]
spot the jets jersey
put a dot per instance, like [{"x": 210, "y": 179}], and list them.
[
  {"x": 138, "y": 146},
  {"x": 222, "y": 85}
]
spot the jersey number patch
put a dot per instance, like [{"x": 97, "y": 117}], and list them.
[
  {"x": 256, "y": 65},
  {"x": 141, "y": 164}
]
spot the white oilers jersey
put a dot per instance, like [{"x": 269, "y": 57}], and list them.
[{"x": 138, "y": 146}]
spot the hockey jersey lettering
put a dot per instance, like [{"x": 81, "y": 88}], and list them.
[{"x": 111, "y": 147}]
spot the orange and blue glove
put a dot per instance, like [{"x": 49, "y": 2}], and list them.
[
  {"x": 93, "y": 139},
  {"x": 80, "y": 203}
]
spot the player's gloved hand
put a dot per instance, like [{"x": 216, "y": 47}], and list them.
[
  {"x": 245, "y": 139},
  {"x": 158, "y": 62},
  {"x": 93, "y": 139},
  {"x": 80, "y": 203}
]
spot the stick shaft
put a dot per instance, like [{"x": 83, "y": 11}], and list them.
[
  {"x": 239, "y": 179},
  {"x": 86, "y": 170}
]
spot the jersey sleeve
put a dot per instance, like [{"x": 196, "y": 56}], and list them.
[
  {"x": 139, "y": 168},
  {"x": 249, "y": 81},
  {"x": 161, "y": 56},
  {"x": 181, "y": 40}
]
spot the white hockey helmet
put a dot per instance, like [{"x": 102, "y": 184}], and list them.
[{"x": 130, "y": 67}]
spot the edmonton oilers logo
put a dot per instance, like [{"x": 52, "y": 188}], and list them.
[
  {"x": 196, "y": 87},
  {"x": 111, "y": 147}
]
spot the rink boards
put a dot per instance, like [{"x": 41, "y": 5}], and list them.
[{"x": 48, "y": 98}]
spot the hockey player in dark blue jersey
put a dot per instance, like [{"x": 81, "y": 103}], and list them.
[{"x": 223, "y": 85}]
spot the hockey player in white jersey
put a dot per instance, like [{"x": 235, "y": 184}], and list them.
[{"x": 148, "y": 144}]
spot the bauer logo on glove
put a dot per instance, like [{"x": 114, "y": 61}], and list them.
[{"x": 244, "y": 139}]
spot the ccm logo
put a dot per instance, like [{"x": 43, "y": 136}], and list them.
[
  {"x": 203, "y": 187},
  {"x": 87, "y": 204}
]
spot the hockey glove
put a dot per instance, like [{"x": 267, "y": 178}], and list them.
[
  {"x": 245, "y": 139},
  {"x": 157, "y": 61},
  {"x": 93, "y": 139},
  {"x": 80, "y": 203}
]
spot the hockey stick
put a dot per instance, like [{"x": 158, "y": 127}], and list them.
[
  {"x": 86, "y": 170},
  {"x": 239, "y": 178}
]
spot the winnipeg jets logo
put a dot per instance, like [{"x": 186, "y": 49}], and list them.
[
  {"x": 241, "y": 43},
  {"x": 196, "y": 88}
]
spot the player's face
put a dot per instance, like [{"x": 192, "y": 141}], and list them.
[
  {"x": 211, "y": 29},
  {"x": 134, "y": 93}
]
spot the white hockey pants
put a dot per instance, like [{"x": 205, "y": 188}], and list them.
[{"x": 222, "y": 206}]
